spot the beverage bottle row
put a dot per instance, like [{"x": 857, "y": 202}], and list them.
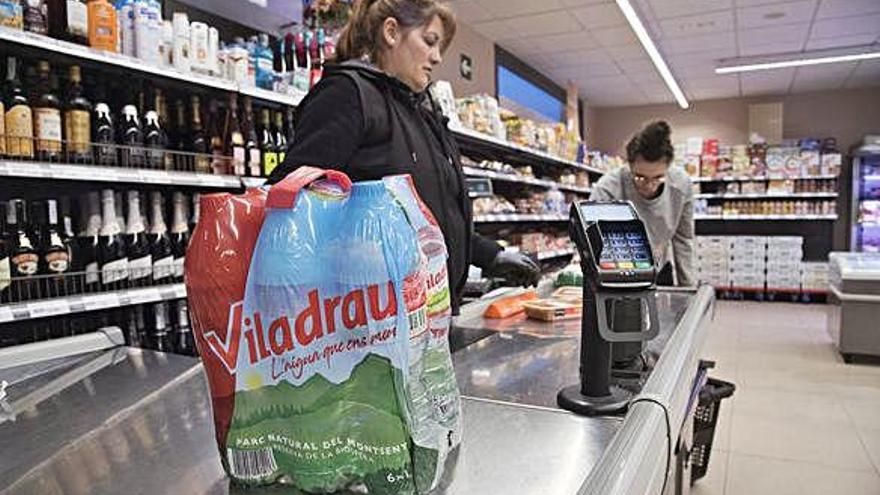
[
  {"x": 83, "y": 128},
  {"x": 137, "y": 28},
  {"x": 116, "y": 247},
  {"x": 163, "y": 326}
]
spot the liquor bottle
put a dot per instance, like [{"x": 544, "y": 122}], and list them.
[
  {"x": 161, "y": 337},
  {"x": 154, "y": 139},
  {"x": 104, "y": 132},
  {"x": 103, "y": 26},
  {"x": 89, "y": 242},
  {"x": 267, "y": 143},
  {"x": 69, "y": 20},
  {"x": 36, "y": 16},
  {"x": 178, "y": 139},
  {"x": 217, "y": 132},
  {"x": 78, "y": 120},
  {"x": 19, "y": 121},
  {"x": 198, "y": 142},
  {"x": 132, "y": 333},
  {"x": 179, "y": 234},
  {"x": 5, "y": 269},
  {"x": 184, "y": 342},
  {"x": 196, "y": 211},
  {"x": 280, "y": 137},
  {"x": 24, "y": 260},
  {"x": 131, "y": 138},
  {"x": 161, "y": 246},
  {"x": 234, "y": 138},
  {"x": 140, "y": 258},
  {"x": 72, "y": 284},
  {"x": 47, "y": 118},
  {"x": 164, "y": 126},
  {"x": 112, "y": 259},
  {"x": 253, "y": 165},
  {"x": 54, "y": 251}
]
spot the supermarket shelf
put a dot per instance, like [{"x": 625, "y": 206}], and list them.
[
  {"x": 471, "y": 137},
  {"x": 767, "y": 195},
  {"x": 765, "y": 217},
  {"x": 89, "y": 302},
  {"x": 46, "y": 43},
  {"x": 489, "y": 174},
  {"x": 558, "y": 253},
  {"x": 760, "y": 179},
  {"x": 518, "y": 217},
  {"x": 91, "y": 173}
]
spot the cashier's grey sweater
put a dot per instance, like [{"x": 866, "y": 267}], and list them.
[{"x": 668, "y": 218}]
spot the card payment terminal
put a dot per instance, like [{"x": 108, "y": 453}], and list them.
[{"x": 619, "y": 274}]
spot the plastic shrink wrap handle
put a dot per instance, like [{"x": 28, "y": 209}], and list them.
[
  {"x": 283, "y": 194},
  {"x": 217, "y": 263}
]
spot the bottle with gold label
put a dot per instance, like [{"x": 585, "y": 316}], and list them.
[
  {"x": 47, "y": 118},
  {"x": 78, "y": 120},
  {"x": 18, "y": 118}
]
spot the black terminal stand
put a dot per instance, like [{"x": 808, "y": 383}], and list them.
[{"x": 618, "y": 266}]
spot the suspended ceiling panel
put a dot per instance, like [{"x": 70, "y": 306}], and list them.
[{"x": 590, "y": 43}]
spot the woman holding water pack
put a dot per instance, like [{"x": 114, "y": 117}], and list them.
[{"x": 371, "y": 116}]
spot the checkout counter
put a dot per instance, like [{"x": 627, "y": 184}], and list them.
[{"x": 87, "y": 415}]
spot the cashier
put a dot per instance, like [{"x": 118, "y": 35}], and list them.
[
  {"x": 372, "y": 115},
  {"x": 663, "y": 198}
]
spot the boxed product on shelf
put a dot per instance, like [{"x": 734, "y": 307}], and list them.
[
  {"x": 814, "y": 276},
  {"x": 747, "y": 281},
  {"x": 786, "y": 282},
  {"x": 831, "y": 163},
  {"x": 481, "y": 113},
  {"x": 709, "y": 166},
  {"x": 783, "y": 266},
  {"x": 778, "y": 241}
]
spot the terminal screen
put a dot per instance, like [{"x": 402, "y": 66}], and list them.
[{"x": 609, "y": 212}]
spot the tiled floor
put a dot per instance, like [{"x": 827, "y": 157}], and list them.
[{"x": 801, "y": 421}]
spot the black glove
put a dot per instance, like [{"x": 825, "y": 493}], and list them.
[{"x": 516, "y": 268}]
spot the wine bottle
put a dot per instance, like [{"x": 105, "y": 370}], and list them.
[
  {"x": 153, "y": 140},
  {"x": 54, "y": 251},
  {"x": 254, "y": 162},
  {"x": 69, "y": 20},
  {"x": 47, "y": 117},
  {"x": 178, "y": 138},
  {"x": 198, "y": 142},
  {"x": 267, "y": 143},
  {"x": 184, "y": 343},
  {"x": 179, "y": 234},
  {"x": 78, "y": 120},
  {"x": 161, "y": 338},
  {"x": 160, "y": 243},
  {"x": 234, "y": 138},
  {"x": 24, "y": 260},
  {"x": 89, "y": 242},
  {"x": 112, "y": 259},
  {"x": 104, "y": 132},
  {"x": 219, "y": 161},
  {"x": 72, "y": 283},
  {"x": 5, "y": 269},
  {"x": 164, "y": 126},
  {"x": 196, "y": 211},
  {"x": 140, "y": 258},
  {"x": 132, "y": 334},
  {"x": 131, "y": 138},
  {"x": 280, "y": 137},
  {"x": 18, "y": 121}
]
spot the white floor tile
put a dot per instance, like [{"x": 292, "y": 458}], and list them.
[{"x": 755, "y": 475}]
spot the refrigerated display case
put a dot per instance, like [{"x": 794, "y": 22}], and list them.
[
  {"x": 866, "y": 198},
  {"x": 855, "y": 303}
]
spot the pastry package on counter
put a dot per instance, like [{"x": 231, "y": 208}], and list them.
[{"x": 337, "y": 350}]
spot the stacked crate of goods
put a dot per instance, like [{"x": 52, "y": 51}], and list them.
[
  {"x": 747, "y": 262},
  {"x": 713, "y": 261},
  {"x": 784, "y": 255},
  {"x": 814, "y": 277}
]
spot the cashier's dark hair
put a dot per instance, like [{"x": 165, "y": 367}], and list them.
[
  {"x": 362, "y": 35},
  {"x": 651, "y": 144}
]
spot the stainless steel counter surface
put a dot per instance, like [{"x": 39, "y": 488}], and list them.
[
  {"x": 527, "y": 362},
  {"x": 140, "y": 422}
]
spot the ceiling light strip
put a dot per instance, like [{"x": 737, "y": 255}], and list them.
[
  {"x": 637, "y": 26},
  {"x": 800, "y": 62}
]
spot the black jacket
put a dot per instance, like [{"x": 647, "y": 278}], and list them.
[{"x": 369, "y": 125}]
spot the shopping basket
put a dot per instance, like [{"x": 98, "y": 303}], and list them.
[{"x": 705, "y": 420}]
